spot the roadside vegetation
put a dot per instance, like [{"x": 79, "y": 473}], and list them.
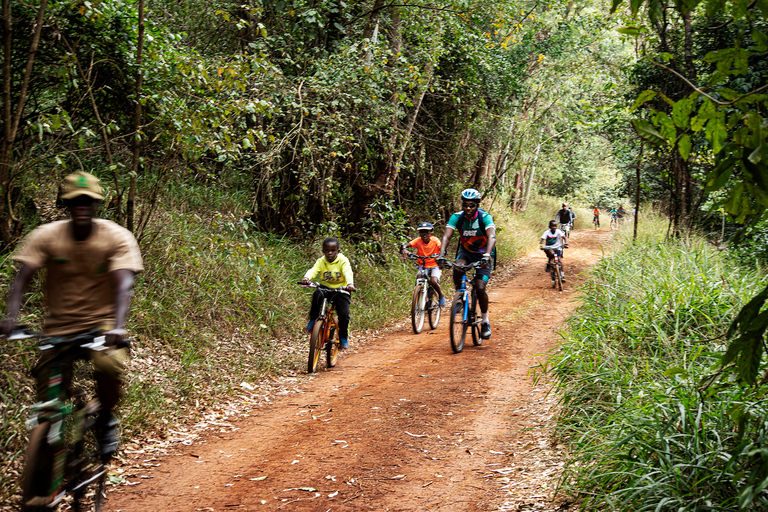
[{"x": 652, "y": 419}]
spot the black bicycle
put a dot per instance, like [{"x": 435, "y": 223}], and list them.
[
  {"x": 464, "y": 315},
  {"x": 555, "y": 268},
  {"x": 425, "y": 299},
  {"x": 63, "y": 455}
]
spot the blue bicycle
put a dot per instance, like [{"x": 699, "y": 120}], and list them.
[{"x": 464, "y": 310}]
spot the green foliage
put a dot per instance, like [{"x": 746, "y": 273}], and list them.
[{"x": 652, "y": 423}]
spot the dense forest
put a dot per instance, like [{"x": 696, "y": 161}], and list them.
[{"x": 229, "y": 132}]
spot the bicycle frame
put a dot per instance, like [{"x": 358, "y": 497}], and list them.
[
  {"x": 556, "y": 267},
  {"x": 325, "y": 325},
  {"x": 469, "y": 317},
  {"x": 69, "y": 470}
]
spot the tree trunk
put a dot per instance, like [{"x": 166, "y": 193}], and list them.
[
  {"x": 637, "y": 192},
  {"x": 130, "y": 205},
  {"x": 12, "y": 120}
]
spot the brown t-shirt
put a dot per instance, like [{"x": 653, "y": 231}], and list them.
[{"x": 80, "y": 291}]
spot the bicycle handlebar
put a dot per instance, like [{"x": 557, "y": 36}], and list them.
[
  {"x": 412, "y": 256},
  {"x": 464, "y": 268},
  {"x": 322, "y": 287},
  {"x": 92, "y": 339}
]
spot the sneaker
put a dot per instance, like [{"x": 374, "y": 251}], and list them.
[
  {"x": 309, "y": 326},
  {"x": 562, "y": 276},
  {"x": 343, "y": 343},
  {"x": 106, "y": 434},
  {"x": 442, "y": 301},
  {"x": 485, "y": 330}
]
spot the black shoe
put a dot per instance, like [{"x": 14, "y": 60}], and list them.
[
  {"x": 106, "y": 434},
  {"x": 485, "y": 330}
]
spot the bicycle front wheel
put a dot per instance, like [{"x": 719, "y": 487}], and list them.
[
  {"x": 316, "y": 342},
  {"x": 38, "y": 469},
  {"x": 331, "y": 346},
  {"x": 458, "y": 327},
  {"x": 433, "y": 307},
  {"x": 417, "y": 313}
]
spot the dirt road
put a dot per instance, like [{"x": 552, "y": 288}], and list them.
[{"x": 401, "y": 423}]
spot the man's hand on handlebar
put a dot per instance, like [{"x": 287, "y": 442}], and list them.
[
  {"x": 440, "y": 261},
  {"x": 350, "y": 288},
  {"x": 304, "y": 281},
  {"x": 486, "y": 261},
  {"x": 114, "y": 337},
  {"x": 7, "y": 325}
]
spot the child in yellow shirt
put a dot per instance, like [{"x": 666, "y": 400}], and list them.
[{"x": 333, "y": 271}]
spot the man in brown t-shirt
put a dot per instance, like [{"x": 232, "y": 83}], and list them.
[{"x": 91, "y": 266}]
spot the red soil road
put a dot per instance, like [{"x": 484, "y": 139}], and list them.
[{"x": 401, "y": 423}]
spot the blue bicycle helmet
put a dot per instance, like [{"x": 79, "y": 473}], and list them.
[
  {"x": 470, "y": 194},
  {"x": 425, "y": 225}
]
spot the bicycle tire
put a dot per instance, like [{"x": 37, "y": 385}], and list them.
[
  {"x": 316, "y": 341},
  {"x": 458, "y": 327},
  {"x": 433, "y": 307},
  {"x": 331, "y": 347},
  {"x": 38, "y": 469},
  {"x": 558, "y": 277},
  {"x": 417, "y": 313}
]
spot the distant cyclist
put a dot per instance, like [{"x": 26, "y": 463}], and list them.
[
  {"x": 477, "y": 238},
  {"x": 91, "y": 266},
  {"x": 596, "y": 218},
  {"x": 552, "y": 242},
  {"x": 334, "y": 271},
  {"x": 565, "y": 216},
  {"x": 427, "y": 245},
  {"x": 621, "y": 212}
]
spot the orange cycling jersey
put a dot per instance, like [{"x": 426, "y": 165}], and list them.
[{"x": 422, "y": 249}]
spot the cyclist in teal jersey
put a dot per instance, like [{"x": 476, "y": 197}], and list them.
[{"x": 477, "y": 238}]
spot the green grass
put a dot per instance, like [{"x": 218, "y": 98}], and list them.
[{"x": 649, "y": 423}]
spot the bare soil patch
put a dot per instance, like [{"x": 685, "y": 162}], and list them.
[{"x": 402, "y": 423}]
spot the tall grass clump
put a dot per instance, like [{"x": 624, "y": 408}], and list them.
[{"x": 652, "y": 420}]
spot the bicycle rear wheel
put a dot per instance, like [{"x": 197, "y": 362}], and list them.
[
  {"x": 38, "y": 471},
  {"x": 477, "y": 340},
  {"x": 433, "y": 307},
  {"x": 331, "y": 346},
  {"x": 458, "y": 327},
  {"x": 316, "y": 341},
  {"x": 417, "y": 313}
]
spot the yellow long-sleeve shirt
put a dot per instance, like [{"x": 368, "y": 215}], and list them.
[{"x": 333, "y": 274}]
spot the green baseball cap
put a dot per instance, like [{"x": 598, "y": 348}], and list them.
[{"x": 81, "y": 184}]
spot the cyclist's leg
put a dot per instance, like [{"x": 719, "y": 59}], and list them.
[
  {"x": 481, "y": 279},
  {"x": 342, "y": 301},
  {"x": 109, "y": 374},
  {"x": 43, "y": 368},
  {"x": 434, "y": 279},
  {"x": 314, "y": 309}
]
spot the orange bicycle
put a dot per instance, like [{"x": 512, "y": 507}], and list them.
[{"x": 323, "y": 331}]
